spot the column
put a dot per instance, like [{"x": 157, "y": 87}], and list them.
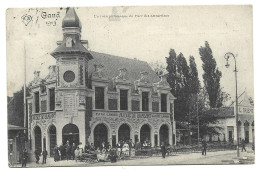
[
  {"x": 106, "y": 98},
  {"x": 150, "y": 108},
  {"x": 152, "y": 138},
  {"x": 175, "y": 133},
  {"x": 242, "y": 132},
  {"x": 59, "y": 134},
  {"x": 93, "y": 99},
  {"x": 170, "y": 135},
  {"x": 129, "y": 100},
  {"x": 48, "y": 144},
  {"x": 118, "y": 98},
  {"x": 168, "y": 103},
  {"x": 48, "y": 100},
  {"x": 160, "y": 106},
  {"x": 250, "y": 128}
]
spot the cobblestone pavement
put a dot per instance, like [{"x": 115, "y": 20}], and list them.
[{"x": 221, "y": 157}]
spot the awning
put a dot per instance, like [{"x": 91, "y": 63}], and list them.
[{"x": 15, "y": 127}]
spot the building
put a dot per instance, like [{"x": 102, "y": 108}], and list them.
[
  {"x": 94, "y": 97},
  {"x": 227, "y": 121},
  {"x": 16, "y": 143}
]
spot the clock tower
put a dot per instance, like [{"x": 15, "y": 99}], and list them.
[
  {"x": 71, "y": 66},
  {"x": 71, "y": 56}
]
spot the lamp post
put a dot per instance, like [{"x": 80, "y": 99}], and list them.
[{"x": 227, "y": 56}]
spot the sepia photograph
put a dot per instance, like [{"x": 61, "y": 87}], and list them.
[{"x": 130, "y": 86}]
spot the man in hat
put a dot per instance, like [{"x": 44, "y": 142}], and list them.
[{"x": 67, "y": 149}]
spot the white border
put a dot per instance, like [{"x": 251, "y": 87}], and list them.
[{"x": 57, "y": 3}]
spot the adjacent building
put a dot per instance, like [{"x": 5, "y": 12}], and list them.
[
  {"x": 94, "y": 97},
  {"x": 227, "y": 121}
]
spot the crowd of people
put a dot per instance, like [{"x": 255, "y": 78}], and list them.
[{"x": 103, "y": 152}]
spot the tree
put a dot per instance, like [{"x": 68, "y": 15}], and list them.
[
  {"x": 171, "y": 69},
  {"x": 182, "y": 89},
  {"x": 194, "y": 82},
  {"x": 211, "y": 76},
  {"x": 15, "y": 108}
]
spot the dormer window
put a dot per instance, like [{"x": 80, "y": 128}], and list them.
[{"x": 68, "y": 42}]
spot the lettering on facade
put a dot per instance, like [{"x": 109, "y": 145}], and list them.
[
  {"x": 45, "y": 116},
  {"x": 245, "y": 110},
  {"x": 129, "y": 115}
]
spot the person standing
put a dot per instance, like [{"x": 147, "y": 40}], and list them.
[
  {"x": 163, "y": 150},
  {"x": 62, "y": 152},
  {"x": 56, "y": 153},
  {"x": 44, "y": 156},
  {"x": 243, "y": 145},
  {"x": 77, "y": 153},
  {"x": 37, "y": 156},
  {"x": 67, "y": 149},
  {"x": 24, "y": 157},
  {"x": 204, "y": 147},
  {"x": 73, "y": 148}
]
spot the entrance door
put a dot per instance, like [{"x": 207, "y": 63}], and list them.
[
  {"x": 70, "y": 132},
  {"x": 124, "y": 132},
  {"x": 230, "y": 137},
  {"x": 145, "y": 133},
  {"x": 53, "y": 138},
  {"x": 247, "y": 136},
  {"x": 100, "y": 135},
  {"x": 38, "y": 138},
  {"x": 164, "y": 134}
]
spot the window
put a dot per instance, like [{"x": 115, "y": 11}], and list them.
[
  {"x": 99, "y": 97},
  {"x": 123, "y": 100},
  {"x": 52, "y": 99},
  {"x": 36, "y": 102},
  {"x": 145, "y": 101},
  {"x": 163, "y": 102}
]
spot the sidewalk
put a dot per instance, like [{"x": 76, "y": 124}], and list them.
[{"x": 218, "y": 158}]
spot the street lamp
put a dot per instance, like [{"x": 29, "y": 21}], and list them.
[{"x": 227, "y": 56}]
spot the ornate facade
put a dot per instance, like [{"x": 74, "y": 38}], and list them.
[{"x": 94, "y": 97}]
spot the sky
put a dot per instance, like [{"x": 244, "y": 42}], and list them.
[{"x": 135, "y": 35}]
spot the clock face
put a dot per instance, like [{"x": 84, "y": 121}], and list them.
[{"x": 69, "y": 76}]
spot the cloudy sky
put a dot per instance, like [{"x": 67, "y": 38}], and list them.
[{"x": 135, "y": 35}]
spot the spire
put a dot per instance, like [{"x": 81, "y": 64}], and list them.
[
  {"x": 71, "y": 19},
  {"x": 71, "y": 42}
]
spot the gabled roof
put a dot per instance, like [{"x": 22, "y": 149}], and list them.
[{"x": 113, "y": 63}]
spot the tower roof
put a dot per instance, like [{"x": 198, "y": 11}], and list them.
[{"x": 71, "y": 19}]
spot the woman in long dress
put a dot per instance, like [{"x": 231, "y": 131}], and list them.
[
  {"x": 125, "y": 149},
  {"x": 56, "y": 153}
]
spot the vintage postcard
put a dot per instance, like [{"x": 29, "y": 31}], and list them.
[{"x": 130, "y": 86}]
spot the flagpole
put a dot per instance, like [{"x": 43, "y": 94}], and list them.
[{"x": 24, "y": 89}]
